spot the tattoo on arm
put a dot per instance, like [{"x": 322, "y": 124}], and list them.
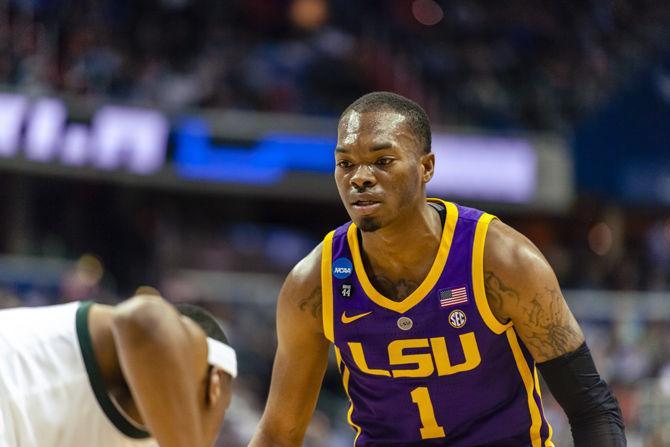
[
  {"x": 546, "y": 325},
  {"x": 312, "y": 303},
  {"x": 550, "y": 328}
]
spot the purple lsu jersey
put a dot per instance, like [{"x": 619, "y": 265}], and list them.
[{"x": 436, "y": 368}]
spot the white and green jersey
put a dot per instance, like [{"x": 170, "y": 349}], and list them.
[{"x": 51, "y": 390}]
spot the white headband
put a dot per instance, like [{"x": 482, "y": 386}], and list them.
[{"x": 221, "y": 355}]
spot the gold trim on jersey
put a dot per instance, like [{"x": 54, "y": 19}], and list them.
[
  {"x": 529, "y": 384},
  {"x": 345, "y": 381},
  {"x": 327, "y": 287},
  {"x": 428, "y": 283},
  {"x": 548, "y": 442},
  {"x": 338, "y": 358},
  {"x": 478, "y": 276}
]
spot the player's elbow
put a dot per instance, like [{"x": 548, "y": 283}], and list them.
[
  {"x": 598, "y": 406},
  {"x": 602, "y": 425},
  {"x": 277, "y": 434},
  {"x": 593, "y": 411},
  {"x": 139, "y": 317}
]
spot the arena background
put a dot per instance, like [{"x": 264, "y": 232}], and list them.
[{"x": 187, "y": 144}]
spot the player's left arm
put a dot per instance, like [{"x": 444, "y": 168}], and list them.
[{"x": 521, "y": 286}]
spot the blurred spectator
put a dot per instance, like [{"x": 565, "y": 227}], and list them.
[{"x": 83, "y": 281}]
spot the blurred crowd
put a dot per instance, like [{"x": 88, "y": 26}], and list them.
[{"x": 469, "y": 62}]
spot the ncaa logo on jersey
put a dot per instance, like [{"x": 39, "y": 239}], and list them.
[
  {"x": 457, "y": 318},
  {"x": 342, "y": 268}
]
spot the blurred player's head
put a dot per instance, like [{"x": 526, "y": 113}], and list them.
[
  {"x": 216, "y": 382},
  {"x": 383, "y": 159}
]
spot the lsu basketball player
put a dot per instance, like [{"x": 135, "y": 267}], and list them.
[
  {"x": 438, "y": 313},
  {"x": 88, "y": 375}
]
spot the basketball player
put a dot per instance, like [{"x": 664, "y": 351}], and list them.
[
  {"x": 138, "y": 374},
  {"x": 438, "y": 313}
]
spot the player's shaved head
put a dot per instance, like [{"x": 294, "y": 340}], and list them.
[{"x": 416, "y": 117}]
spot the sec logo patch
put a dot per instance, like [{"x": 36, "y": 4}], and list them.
[{"x": 457, "y": 318}]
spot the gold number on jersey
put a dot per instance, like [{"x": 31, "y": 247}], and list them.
[{"x": 430, "y": 429}]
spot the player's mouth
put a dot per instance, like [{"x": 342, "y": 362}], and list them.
[{"x": 366, "y": 206}]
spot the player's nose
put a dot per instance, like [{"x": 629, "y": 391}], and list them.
[{"x": 363, "y": 177}]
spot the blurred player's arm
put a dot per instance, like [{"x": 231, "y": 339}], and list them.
[
  {"x": 300, "y": 361},
  {"x": 521, "y": 286},
  {"x": 162, "y": 359}
]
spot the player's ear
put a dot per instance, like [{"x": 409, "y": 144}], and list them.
[
  {"x": 219, "y": 386},
  {"x": 214, "y": 387},
  {"x": 427, "y": 166}
]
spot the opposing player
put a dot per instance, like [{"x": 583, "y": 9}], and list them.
[
  {"x": 438, "y": 313},
  {"x": 138, "y": 374}
]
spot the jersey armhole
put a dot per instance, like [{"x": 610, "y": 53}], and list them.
[
  {"x": 327, "y": 287},
  {"x": 478, "y": 276},
  {"x": 111, "y": 410}
]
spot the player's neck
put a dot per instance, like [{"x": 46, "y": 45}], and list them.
[{"x": 405, "y": 243}]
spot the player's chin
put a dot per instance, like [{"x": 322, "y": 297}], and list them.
[{"x": 369, "y": 224}]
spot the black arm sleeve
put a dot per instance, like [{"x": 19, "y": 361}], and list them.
[{"x": 593, "y": 411}]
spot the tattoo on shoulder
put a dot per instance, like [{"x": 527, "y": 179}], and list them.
[
  {"x": 312, "y": 303},
  {"x": 498, "y": 293}
]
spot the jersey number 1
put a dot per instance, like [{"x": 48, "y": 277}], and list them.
[{"x": 429, "y": 429}]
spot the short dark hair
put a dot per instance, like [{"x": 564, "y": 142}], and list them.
[
  {"x": 205, "y": 320},
  {"x": 417, "y": 119}
]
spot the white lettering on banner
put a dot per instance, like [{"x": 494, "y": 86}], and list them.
[
  {"x": 75, "y": 145},
  {"x": 12, "y": 111},
  {"x": 46, "y": 122},
  {"x": 118, "y": 137},
  {"x": 129, "y": 136}
]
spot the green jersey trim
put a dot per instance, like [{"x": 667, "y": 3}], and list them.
[{"x": 95, "y": 378}]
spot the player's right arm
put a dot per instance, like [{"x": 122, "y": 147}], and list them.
[
  {"x": 301, "y": 358},
  {"x": 164, "y": 363}
]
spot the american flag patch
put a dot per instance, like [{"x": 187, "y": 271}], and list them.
[{"x": 451, "y": 297}]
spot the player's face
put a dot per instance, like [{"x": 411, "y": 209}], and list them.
[{"x": 380, "y": 169}]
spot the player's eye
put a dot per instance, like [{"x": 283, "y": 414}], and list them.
[
  {"x": 384, "y": 161},
  {"x": 344, "y": 164}
]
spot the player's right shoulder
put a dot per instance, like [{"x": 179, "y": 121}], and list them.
[
  {"x": 308, "y": 270},
  {"x": 300, "y": 296}
]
